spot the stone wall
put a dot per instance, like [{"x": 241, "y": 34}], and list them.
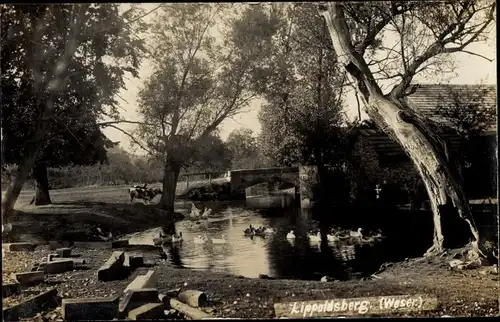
[
  {"x": 242, "y": 179},
  {"x": 303, "y": 177}
]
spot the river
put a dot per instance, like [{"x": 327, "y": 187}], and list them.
[{"x": 273, "y": 255}]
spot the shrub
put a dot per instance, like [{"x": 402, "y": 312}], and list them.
[{"x": 90, "y": 175}]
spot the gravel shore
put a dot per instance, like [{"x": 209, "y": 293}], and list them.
[{"x": 459, "y": 293}]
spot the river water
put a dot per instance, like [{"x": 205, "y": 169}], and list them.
[{"x": 273, "y": 255}]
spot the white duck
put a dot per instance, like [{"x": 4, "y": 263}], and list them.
[
  {"x": 332, "y": 238},
  {"x": 356, "y": 234},
  {"x": 269, "y": 230},
  {"x": 290, "y": 235},
  {"x": 195, "y": 213},
  {"x": 207, "y": 212},
  {"x": 219, "y": 240},
  {"x": 315, "y": 237},
  {"x": 200, "y": 239},
  {"x": 177, "y": 238}
]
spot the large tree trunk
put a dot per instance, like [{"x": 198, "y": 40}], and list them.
[
  {"x": 42, "y": 196},
  {"x": 442, "y": 183},
  {"x": 394, "y": 117},
  {"x": 171, "y": 176},
  {"x": 17, "y": 183}
]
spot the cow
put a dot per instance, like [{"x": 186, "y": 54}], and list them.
[{"x": 146, "y": 194}]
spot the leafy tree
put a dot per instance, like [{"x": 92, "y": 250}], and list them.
[
  {"x": 470, "y": 116},
  {"x": 428, "y": 33},
  {"x": 197, "y": 82},
  {"x": 244, "y": 150},
  {"x": 121, "y": 163},
  {"x": 61, "y": 68},
  {"x": 212, "y": 155},
  {"x": 302, "y": 118}
]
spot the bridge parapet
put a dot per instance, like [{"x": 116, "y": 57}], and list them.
[
  {"x": 303, "y": 177},
  {"x": 242, "y": 179}
]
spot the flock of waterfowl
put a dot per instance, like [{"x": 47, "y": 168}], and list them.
[
  {"x": 340, "y": 235},
  {"x": 334, "y": 235},
  {"x": 260, "y": 231},
  {"x": 195, "y": 215}
]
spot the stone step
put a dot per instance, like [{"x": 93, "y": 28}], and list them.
[
  {"x": 10, "y": 289},
  {"x": 113, "y": 268},
  {"x": 56, "y": 266},
  {"x": 135, "y": 298},
  {"x": 29, "y": 278},
  {"x": 32, "y": 306},
  {"x": 90, "y": 308},
  {"x": 63, "y": 252},
  {"x": 149, "y": 311},
  {"x": 19, "y": 247},
  {"x": 133, "y": 260},
  {"x": 143, "y": 281}
]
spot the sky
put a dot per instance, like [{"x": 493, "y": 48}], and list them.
[{"x": 470, "y": 70}]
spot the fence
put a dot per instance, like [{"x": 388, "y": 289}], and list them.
[{"x": 202, "y": 176}]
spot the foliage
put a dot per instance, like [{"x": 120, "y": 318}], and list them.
[
  {"x": 244, "y": 150},
  {"x": 362, "y": 168},
  {"x": 221, "y": 191},
  {"x": 62, "y": 122},
  {"x": 466, "y": 111},
  {"x": 301, "y": 119},
  {"x": 197, "y": 80},
  {"x": 212, "y": 155},
  {"x": 470, "y": 115},
  {"x": 88, "y": 176}
]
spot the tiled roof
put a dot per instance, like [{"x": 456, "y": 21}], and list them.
[
  {"x": 385, "y": 145},
  {"x": 425, "y": 100}
]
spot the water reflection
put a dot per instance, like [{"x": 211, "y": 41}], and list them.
[{"x": 272, "y": 255}]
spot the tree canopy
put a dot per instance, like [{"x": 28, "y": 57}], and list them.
[
  {"x": 62, "y": 66},
  {"x": 244, "y": 150},
  {"x": 303, "y": 89}
]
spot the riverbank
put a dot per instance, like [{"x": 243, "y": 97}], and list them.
[{"x": 459, "y": 293}]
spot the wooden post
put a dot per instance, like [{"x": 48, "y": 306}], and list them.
[
  {"x": 190, "y": 312},
  {"x": 193, "y": 298}
]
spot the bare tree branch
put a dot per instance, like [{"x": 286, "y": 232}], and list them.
[
  {"x": 375, "y": 29},
  {"x": 131, "y": 137},
  {"x": 454, "y": 31},
  {"x": 478, "y": 55},
  {"x": 104, "y": 124}
]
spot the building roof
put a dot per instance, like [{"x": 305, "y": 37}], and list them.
[{"x": 425, "y": 100}]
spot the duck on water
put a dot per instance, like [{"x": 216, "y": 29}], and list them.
[
  {"x": 261, "y": 231},
  {"x": 196, "y": 213},
  {"x": 163, "y": 239},
  {"x": 201, "y": 239}
]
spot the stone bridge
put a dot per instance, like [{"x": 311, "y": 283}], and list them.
[{"x": 301, "y": 177}]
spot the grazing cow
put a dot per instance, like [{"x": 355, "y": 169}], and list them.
[{"x": 146, "y": 194}]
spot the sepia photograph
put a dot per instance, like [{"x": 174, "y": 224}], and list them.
[{"x": 249, "y": 160}]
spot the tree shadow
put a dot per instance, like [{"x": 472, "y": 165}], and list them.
[{"x": 78, "y": 221}]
